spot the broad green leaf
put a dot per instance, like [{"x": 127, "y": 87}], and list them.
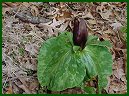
[
  {"x": 58, "y": 66},
  {"x": 89, "y": 90},
  {"x": 93, "y": 40},
  {"x": 100, "y": 60},
  {"x": 62, "y": 65}
]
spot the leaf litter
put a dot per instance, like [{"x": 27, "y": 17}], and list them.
[{"x": 27, "y": 24}]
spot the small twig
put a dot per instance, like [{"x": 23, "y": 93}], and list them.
[
  {"x": 28, "y": 18},
  {"x": 69, "y": 7},
  {"x": 20, "y": 77}
]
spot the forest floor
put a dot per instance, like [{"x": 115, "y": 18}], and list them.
[{"x": 27, "y": 25}]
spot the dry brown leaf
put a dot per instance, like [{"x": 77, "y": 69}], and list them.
[
  {"x": 64, "y": 15},
  {"x": 64, "y": 26},
  {"x": 34, "y": 84},
  {"x": 123, "y": 78},
  {"x": 31, "y": 48},
  {"x": 32, "y": 26},
  {"x": 105, "y": 14},
  {"x": 118, "y": 73},
  {"x": 24, "y": 86},
  {"x": 53, "y": 12},
  {"x": 16, "y": 89},
  {"x": 109, "y": 31},
  {"x": 116, "y": 26},
  {"x": 88, "y": 15},
  {"x": 50, "y": 31},
  {"x": 27, "y": 91},
  {"x": 30, "y": 64},
  {"x": 4, "y": 10},
  {"x": 9, "y": 90},
  {"x": 34, "y": 10},
  {"x": 59, "y": 25},
  {"x": 92, "y": 21},
  {"x": 26, "y": 4},
  {"x": 56, "y": 23},
  {"x": 119, "y": 87},
  {"x": 10, "y": 4}
]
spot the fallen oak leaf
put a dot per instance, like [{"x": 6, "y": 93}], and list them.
[
  {"x": 56, "y": 23},
  {"x": 9, "y": 90},
  {"x": 10, "y": 4},
  {"x": 64, "y": 26},
  {"x": 26, "y": 89},
  {"x": 24, "y": 86},
  {"x": 34, "y": 10},
  {"x": 116, "y": 25},
  {"x": 105, "y": 14}
]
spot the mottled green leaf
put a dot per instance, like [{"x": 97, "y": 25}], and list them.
[
  {"x": 100, "y": 63},
  {"x": 58, "y": 66},
  {"x": 93, "y": 40},
  {"x": 89, "y": 90}
]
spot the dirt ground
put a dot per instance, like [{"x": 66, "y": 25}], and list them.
[{"x": 27, "y": 25}]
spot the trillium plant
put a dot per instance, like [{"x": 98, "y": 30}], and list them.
[{"x": 72, "y": 58}]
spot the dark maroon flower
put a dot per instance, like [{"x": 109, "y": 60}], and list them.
[{"x": 80, "y": 33}]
